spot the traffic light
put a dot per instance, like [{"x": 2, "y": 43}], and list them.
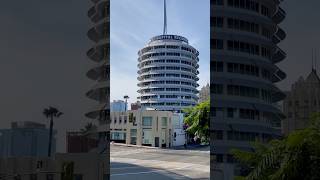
[{"x": 67, "y": 171}]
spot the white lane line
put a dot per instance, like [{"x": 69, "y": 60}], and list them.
[{"x": 148, "y": 172}]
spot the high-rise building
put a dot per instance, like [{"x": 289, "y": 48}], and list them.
[
  {"x": 244, "y": 51},
  {"x": 302, "y": 101},
  {"x": 100, "y": 54},
  {"x": 29, "y": 139},
  {"x": 99, "y": 15},
  {"x": 118, "y": 106},
  {"x": 168, "y": 73}
]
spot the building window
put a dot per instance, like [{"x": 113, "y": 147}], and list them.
[
  {"x": 125, "y": 119},
  {"x": 146, "y": 121},
  {"x": 218, "y": 135},
  {"x": 115, "y": 120},
  {"x": 230, "y": 112},
  {"x": 217, "y": 22},
  {"x": 216, "y": 43},
  {"x": 216, "y": 66},
  {"x": 216, "y": 89},
  {"x": 164, "y": 121},
  {"x": 219, "y": 158}
]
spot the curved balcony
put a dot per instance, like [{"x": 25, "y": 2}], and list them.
[
  {"x": 279, "y": 16},
  {"x": 277, "y": 95},
  {"x": 99, "y": 92},
  {"x": 99, "y": 32},
  {"x": 98, "y": 111},
  {"x": 100, "y": 72},
  {"x": 99, "y": 11},
  {"x": 279, "y": 55},
  {"x": 278, "y": 76},
  {"x": 99, "y": 53}
]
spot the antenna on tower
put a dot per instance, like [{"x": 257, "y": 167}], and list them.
[{"x": 165, "y": 18}]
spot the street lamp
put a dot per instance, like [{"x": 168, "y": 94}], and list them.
[{"x": 126, "y": 97}]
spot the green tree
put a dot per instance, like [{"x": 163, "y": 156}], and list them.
[
  {"x": 51, "y": 113},
  {"x": 198, "y": 118},
  {"x": 294, "y": 157}
]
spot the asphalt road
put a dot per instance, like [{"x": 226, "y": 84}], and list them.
[{"x": 158, "y": 164}]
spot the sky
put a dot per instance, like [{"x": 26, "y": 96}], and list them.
[
  {"x": 43, "y": 47},
  {"x": 303, "y": 33},
  {"x": 135, "y": 22}
]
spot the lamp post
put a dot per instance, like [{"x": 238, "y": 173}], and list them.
[{"x": 126, "y": 97}]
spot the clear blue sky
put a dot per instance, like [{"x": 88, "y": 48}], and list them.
[{"x": 134, "y": 22}]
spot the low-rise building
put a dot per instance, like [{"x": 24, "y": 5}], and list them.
[
  {"x": 26, "y": 138},
  {"x": 146, "y": 127},
  {"x": 87, "y": 166}
]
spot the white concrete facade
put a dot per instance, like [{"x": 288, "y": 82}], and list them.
[
  {"x": 168, "y": 69},
  {"x": 147, "y": 128}
]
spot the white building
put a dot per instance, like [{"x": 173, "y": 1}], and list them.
[
  {"x": 147, "y": 128},
  {"x": 244, "y": 54},
  {"x": 168, "y": 69}
]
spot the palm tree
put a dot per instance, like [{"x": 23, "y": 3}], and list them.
[
  {"x": 294, "y": 157},
  {"x": 51, "y": 113},
  {"x": 88, "y": 129}
]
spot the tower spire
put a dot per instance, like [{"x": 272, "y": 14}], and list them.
[{"x": 165, "y": 18}]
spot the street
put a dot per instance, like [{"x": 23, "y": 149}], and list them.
[{"x": 136, "y": 163}]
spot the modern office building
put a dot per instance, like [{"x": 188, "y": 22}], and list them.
[
  {"x": 244, "y": 51},
  {"x": 168, "y": 72},
  {"x": 118, "y": 106},
  {"x": 147, "y": 128},
  {"x": 26, "y": 139},
  {"x": 302, "y": 101}
]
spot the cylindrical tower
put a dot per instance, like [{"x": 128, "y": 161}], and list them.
[
  {"x": 168, "y": 69},
  {"x": 244, "y": 51},
  {"x": 99, "y": 54}
]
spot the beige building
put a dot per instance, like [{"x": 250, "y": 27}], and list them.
[
  {"x": 143, "y": 127},
  {"x": 87, "y": 166},
  {"x": 301, "y": 102}
]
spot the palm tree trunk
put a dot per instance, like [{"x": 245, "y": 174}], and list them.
[{"x": 50, "y": 136}]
